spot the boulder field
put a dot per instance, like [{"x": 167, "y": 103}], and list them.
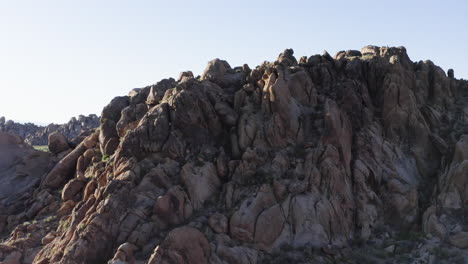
[
  {"x": 33, "y": 134},
  {"x": 357, "y": 158}
]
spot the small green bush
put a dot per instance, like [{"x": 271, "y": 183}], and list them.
[
  {"x": 43, "y": 148},
  {"x": 50, "y": 218},
  {"x": 105, "y": 158},
  {"x": 64, "y": 224}
]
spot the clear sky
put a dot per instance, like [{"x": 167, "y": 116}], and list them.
[{"x": 63, "y": 58}]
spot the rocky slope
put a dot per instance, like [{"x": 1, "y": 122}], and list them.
[
  {"x": 38, "y": 135},
  {"x": 21, "y": 170},
  {"x": 357, "y": 158}
]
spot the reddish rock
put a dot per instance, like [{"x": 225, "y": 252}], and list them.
[
  {"x": 183, "y": 245},
  {"x": 47, "y": 239},
  {"x": 306, "y": 155},
  {"x": 174, "y": 207},
  {"x": 71, "y": 189},
  {"x": 65, "y": 168}
]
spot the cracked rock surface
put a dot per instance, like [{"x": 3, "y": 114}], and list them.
[{"x": 358, "y": 157}]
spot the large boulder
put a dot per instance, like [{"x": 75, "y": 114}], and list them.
[
  {"x": 158, "y": 90},
  {"x": 221, "y": 73},
  {"x": 57, "y": 142},
  {"x": 71, "y": 189}
]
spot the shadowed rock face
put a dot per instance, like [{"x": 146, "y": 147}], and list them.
[
  {"x": 240, "y": 165},
  {"x": 21, "y": 167}
]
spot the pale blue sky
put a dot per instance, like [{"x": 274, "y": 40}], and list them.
[{"x": 63, "y": 58}]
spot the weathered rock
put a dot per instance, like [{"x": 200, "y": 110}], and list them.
[
  {"x": 218, "y": 222},
  {"x": 124, "y": 254},
  {"x": 238, "y": 255},
  {"x": 183, "y": 245},
  {"x": 174, "y": 207},
  {"x": 57, "y": 142},
  {"x": 13, "y": 258},
  {"x": 108, "y": 136},
  {"x": 459, "y": 240},
  {"x": 151, "y": 133},
  {"x": 158, "y": 90},
  {"x": 269, "y": 226},
  {"x": 242, "y": 222},
  {"x": 66, "y": 167},
  {"x": 370, "y": 50},
  {"x": 38, "y": 135},
  {"x": 71, "y": 189},
  {"x": 262, "y": 165},
  {"x": 66, "y": 208},
  {"x": 221, "y": 73},
  {"x": 287, "y": 58},
  {"x": 21, "y": 168},
  {"x": 451, "y": 74},
  {"x": 47, "y": 239},
  {"x": 200, "y": 181}
]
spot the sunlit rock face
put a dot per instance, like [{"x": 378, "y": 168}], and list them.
[{"x": 243, "y": 165}]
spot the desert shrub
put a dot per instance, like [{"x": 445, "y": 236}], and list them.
[
  {"x": 43, "y": 148},
  {"x": 105, "y": 158}
]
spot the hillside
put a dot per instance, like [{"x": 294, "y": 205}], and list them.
[{"x": 357, "y": 158}]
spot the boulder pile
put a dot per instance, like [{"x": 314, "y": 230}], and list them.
[
  {"x": 22, "y": 130},
  {"x": 39, "y": 135},
  {"x": 357, "y": 158}
]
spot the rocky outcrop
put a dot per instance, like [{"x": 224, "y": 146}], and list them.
[
  {"x": 66, "y": 167},
  {"x": 74, "y": 130},
  {"x": 57, "y": 143},
  {"x": 22, "y": 130},
  {"x": 295, "y": 161}
]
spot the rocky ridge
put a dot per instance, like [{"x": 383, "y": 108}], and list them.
[
  {"x": 38, "y": 135},
  {"x": 22, "y": 130},
  {"x": 357, "y": 158}
]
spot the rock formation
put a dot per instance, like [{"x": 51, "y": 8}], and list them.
[
  {"x": 22, "y": 130},
  {"x": 21, "y": 170},
  {"x": 357, "y": 158},
  {"x": 38, "y": 135}
]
